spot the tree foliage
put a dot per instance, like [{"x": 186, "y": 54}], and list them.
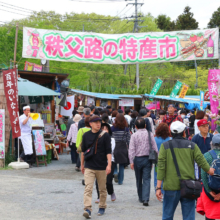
[{"x": 215, "y": 19}]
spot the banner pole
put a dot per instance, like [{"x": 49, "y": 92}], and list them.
[{"x": 16, "y": 41}]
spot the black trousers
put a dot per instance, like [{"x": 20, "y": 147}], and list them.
[
  {"x": 74, "y": 154},
  {"x": 109, "y": 184}
]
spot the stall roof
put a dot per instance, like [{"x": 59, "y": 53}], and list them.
[
  {"x": 106, "y": 95},
  {"x": 28, "y": 88},
  {"x": 42, "y": 77},
  {"x": 190, "y": 101}
]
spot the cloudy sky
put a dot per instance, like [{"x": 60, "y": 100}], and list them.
[{"x": 202, "y": 9}]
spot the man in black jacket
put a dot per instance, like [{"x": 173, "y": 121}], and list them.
[{"x": 97, "y": 167}]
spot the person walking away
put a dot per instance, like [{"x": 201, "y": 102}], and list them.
[
  {"x": 79, "y": 138},
  {"x": 80, "y": 111},
  {"x": 208, "y": 203},
  {"x": 98, "y": 166},
  {"x": 172, "y": 116},
  {"x": 71, "y": 140},
  {"x": 152, "y": 115},
  {"x": 199, "y": 115},
  {"x": 121, "y": 134},
  {"x": 134, "y": 115},
  {"x": 86, "y": 112},
  {"x": 109, "y": 185},
  {"x": 25, "y": 122},
  {"x": 162, "y": 135},
  {"x": 70, "y": 121},
  {"x": 143, "y": 114},
  {"x": 186, "y": 153},
  {"x": 139, "y": 149},
  {"x": 114, "y": 113},
  {"x": 127, "y": 115},
  {"x": 203, "y": 140},
  {"x": 92, "y": 108},
  {"x": 148, "y": 115},
  {"x": 105, "y": 118},
  {"x": 192, "y": 119},
  {"x": 162, "y": 113}
]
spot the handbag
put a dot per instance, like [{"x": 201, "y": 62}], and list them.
[
  {"x": 189, "y": 189},
  {"x": 153, "y": 156},
  {"x": 88, "y": 154}
]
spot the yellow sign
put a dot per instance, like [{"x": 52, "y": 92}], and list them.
[{"x": 183, "y": 91}]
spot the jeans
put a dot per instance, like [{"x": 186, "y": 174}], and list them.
[
  {"x": 155, "y": 181},
  {"x": 74, "y": 154},
  {"x": 142, "y": 168},
  {"x": 170, "y": 202},
  {"x": 120, "y": 173}
]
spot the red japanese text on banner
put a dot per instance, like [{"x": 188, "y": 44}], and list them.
[{"x": 11, "y": 94}]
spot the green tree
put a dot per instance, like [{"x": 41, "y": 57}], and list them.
[
  {"x": 186, "y": 21},
  {"x": 215, "y": 19},
  {"x": 164, "y": 23}
]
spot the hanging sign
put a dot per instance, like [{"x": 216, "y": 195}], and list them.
[
  {"x": 201, "y": 100},
  {"x": 206, "y": 96},
  {"x": 67, "y": 111},
  {"x": 183, "y": 91},
  {"x": 126, "y": 102},
  {"x": 129, "y": 48},
  {"x": 2, "y": 133},
  {"x": 11, "y": 94},
  {"x": 156, "y": 87},
  {"x": 175, "y": 89}
]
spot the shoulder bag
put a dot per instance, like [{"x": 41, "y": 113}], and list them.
[
  {"x": 88, "y": 154},
  {"x": 189, "y": 189},
  {"x": 153, "y": 156}
]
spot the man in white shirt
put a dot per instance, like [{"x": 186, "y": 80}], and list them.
[
  {"x": 25, "y": 124},
  {"x": 127, "y": 116}
]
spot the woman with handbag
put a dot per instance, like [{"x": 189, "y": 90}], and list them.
[
  {"x": 121, "y": 134},
  {"x": 71, "y": 139},
  {"x": 141, "y": 145},
  {"x": 208, "y": 203}
]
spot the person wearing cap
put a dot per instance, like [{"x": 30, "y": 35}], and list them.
[
  {"x": 71, "y": 139},
  {"x": 80, "y": 110},
  {"x": 97, "y": 167},
  {"x": 25, "y": 122},
  {"x": 186, "y": 153},
  {"x": 86, "y": 113},
  {"x": 172, "y": 116},
  {"x": 208, "y": 203}
]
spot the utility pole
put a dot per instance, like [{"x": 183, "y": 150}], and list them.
[
  {"x": 15, "y": 49},
  {"x": 196, "y": 85},
  {"x": 135, "y": 30}
]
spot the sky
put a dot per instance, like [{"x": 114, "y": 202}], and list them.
[{"x": 202, "y": 9}]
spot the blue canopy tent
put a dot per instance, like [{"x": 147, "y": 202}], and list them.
[{"x": 190, "y": 103}]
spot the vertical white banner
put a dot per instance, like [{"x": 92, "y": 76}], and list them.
[{"x": 67, "y": 111}]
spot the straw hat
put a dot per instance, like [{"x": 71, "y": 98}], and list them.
[
  {"x": 80, "y": 109},
  {"x": 77, "y": 118}
]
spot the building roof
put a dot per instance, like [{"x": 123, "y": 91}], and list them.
[{"x": 106, "y": 95}]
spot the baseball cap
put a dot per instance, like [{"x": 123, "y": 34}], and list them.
[
  {"x": 177, "y": 127},
  {"x": 216, "y": 140},
  {"x": 202, "y": 122},
  {"x": 95, "y": 118}
]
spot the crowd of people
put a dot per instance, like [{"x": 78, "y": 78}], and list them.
[{"x": 104, "y": 142}]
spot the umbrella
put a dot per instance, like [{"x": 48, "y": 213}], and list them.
[{"x": 28, "y": 88}]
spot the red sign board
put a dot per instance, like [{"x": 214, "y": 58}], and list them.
[
  {"x": 206, "y": 96},
  {"x": 11, "y": 94}
]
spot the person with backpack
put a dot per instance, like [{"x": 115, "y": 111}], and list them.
[
  {"x": 208, "y": 203},
  {"x": 172, "y": 116},
  {"x": 175, "y": 166}
]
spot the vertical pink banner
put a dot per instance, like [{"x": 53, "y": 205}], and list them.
[{"x": 213, "y": 79}]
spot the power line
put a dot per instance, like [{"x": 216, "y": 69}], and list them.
[
  {"x": 15, "y": 9},
  {"x": 15, "y": 6}
]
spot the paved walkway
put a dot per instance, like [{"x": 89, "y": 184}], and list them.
[{"x": 55, "y": 192}]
